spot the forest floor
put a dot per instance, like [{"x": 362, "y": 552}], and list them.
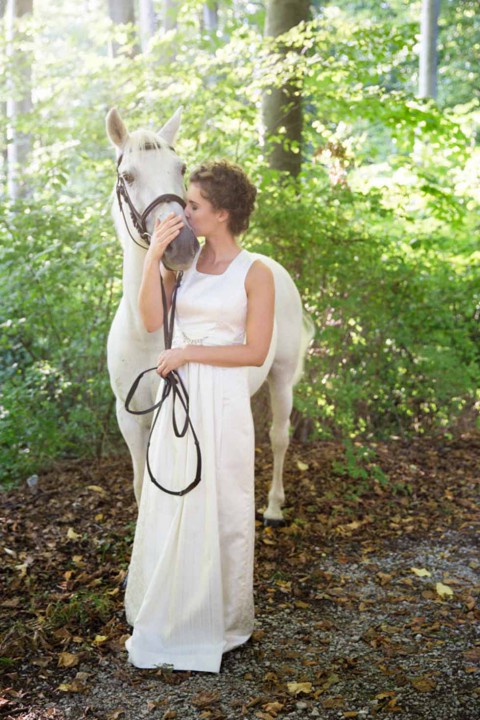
[{"x": 365, "y": 601}]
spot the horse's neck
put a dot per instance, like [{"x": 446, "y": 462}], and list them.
[{"x": 133, "y": 260}]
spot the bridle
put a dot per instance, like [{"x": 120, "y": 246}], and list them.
[
  {"x": 173, "y": 382},
  {"x": 139, "y": 220}
]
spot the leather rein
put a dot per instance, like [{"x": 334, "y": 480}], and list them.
[{"x": 173, "y": 383}]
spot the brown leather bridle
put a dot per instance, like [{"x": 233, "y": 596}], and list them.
[{"x": 139, "y": 220}]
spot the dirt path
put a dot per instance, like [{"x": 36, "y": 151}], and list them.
[{"x": 366, "y": 600}]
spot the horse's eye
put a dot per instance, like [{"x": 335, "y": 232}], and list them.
[
  {"x": 184, "y": 169},
  {"x": 128, "y": 177}
]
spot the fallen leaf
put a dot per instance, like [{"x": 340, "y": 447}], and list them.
[
  {"x": 384, "y": 578},
  {"x": 73, "y": 687},
  {"x": 295, "y": 688},
  {"x": 22, "y": 569},
  {"x": 335, "y": 702},
  {"x": 273, "y": 707},
  {"x": 302, "y": 605},
  {"x": 204, "y": 699},
  {"x": 100, "y": 639},
  {"x": 385, "y": 694},
  {"x": 332, "y": 679},
  {"x": 302, "y": 466},
  {"x": 443, "y": 590},
  {"x": 97, "y": 488},
  {"x": 72, "y": 535},
  {"x": 66, "y": 659},
  {"x": 421, "y": 572},
  {"x": 424, "y": 684},
  {"x": 13, "y": 603},
  {"x": 473, "y": 655},
  {"x": 82, "y": 676}
]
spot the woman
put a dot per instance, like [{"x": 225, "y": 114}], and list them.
[{"x": 190, "y": 587}]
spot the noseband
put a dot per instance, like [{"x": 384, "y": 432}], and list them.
[{"x": 139, "y": 220}]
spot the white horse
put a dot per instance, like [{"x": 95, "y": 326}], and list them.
[{"x": 150, "y": 184}]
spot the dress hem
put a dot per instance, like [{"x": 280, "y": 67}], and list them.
[{"x": 198, "y": 660}]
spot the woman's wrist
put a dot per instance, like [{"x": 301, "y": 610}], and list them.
[
  {"x": 153, "y": 255},
  {"x": 186, "y": 353}
]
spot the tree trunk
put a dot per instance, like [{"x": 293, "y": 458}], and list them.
[
  {"x": 121, "y": 12},
  {"x": 148, "y": 23},
  {"x": 282, "y": 108},
  {"x": 19, "y": 96},
  {"x": 427, "y": 87},
  {"x": 170, "y": 14},
  {"x": 210, "y": 16}
]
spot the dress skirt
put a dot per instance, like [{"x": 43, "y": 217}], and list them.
[{"x": 189, "y": 595}]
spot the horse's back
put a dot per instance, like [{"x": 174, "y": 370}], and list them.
[{"x": 286, "y": 347}]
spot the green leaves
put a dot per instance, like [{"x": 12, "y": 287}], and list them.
[{"x": 379, "y": 231}]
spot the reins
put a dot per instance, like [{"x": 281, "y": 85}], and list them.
[{"x": 173, "y": 383}]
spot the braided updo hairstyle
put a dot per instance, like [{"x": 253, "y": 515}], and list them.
[{"x": 227, "y": 187}]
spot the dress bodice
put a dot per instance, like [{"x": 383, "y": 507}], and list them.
[{"x": 212, "y": 309}]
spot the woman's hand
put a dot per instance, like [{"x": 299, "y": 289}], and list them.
[
  {"x": 164, "y": 233},
  {"x": 170, "y": 360}
]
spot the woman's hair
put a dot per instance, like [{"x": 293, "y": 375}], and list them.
[{"x": 227, "y": 187}]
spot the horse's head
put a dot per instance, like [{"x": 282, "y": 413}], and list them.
[{"x": 150, "y": 185}]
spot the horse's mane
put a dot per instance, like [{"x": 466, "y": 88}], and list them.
[{"x": 142, "y": 140}]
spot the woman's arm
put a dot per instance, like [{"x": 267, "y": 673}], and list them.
[
  {"x": 260, "y": 290},
  {"x": 150, "y": 295}
]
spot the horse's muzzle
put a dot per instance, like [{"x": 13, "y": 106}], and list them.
[{"x": 180, "y": 253}]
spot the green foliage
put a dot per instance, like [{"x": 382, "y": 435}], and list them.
[
  {"x": 58, "y": 295},
  {"x": 359, "y": 466},
  {"x": 379, "y": 231},
  {"x": 84, "y": 610}
]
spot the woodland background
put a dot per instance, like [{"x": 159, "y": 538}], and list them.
[{"x": 368, "y": 175}]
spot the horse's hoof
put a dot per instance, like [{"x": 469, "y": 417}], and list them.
[{"x": 274, "y": 522}]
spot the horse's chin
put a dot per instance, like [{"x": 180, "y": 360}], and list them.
[{"x": 177, "y": 267}]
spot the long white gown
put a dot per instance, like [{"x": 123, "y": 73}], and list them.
[{"x": 190, "y": 584}]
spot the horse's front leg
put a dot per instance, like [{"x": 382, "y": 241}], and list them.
[
  {"x": 281, "y": 397},
  {"x": 135, "y": 433}
]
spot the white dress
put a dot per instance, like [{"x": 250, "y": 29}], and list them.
[{"x": 190, "y": 584}]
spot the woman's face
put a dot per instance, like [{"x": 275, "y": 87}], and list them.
[{"x": 204, "y": 219}]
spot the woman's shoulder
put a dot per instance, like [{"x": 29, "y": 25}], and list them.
[{"x": 258, "y": 272}]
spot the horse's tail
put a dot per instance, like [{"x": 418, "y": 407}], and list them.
[{"x": 306, "y": 337}]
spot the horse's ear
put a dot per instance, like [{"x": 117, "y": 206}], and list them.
[
  {"x": 169, "y": 130},
  {"x": 116, "y": 130}
]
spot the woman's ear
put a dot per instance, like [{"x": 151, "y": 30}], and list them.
[{"x": 223, "y": 215}]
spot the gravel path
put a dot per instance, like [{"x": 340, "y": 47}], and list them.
[
  {"x": 366, "y": 602},
  {"x": 387, "y": 647}
]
